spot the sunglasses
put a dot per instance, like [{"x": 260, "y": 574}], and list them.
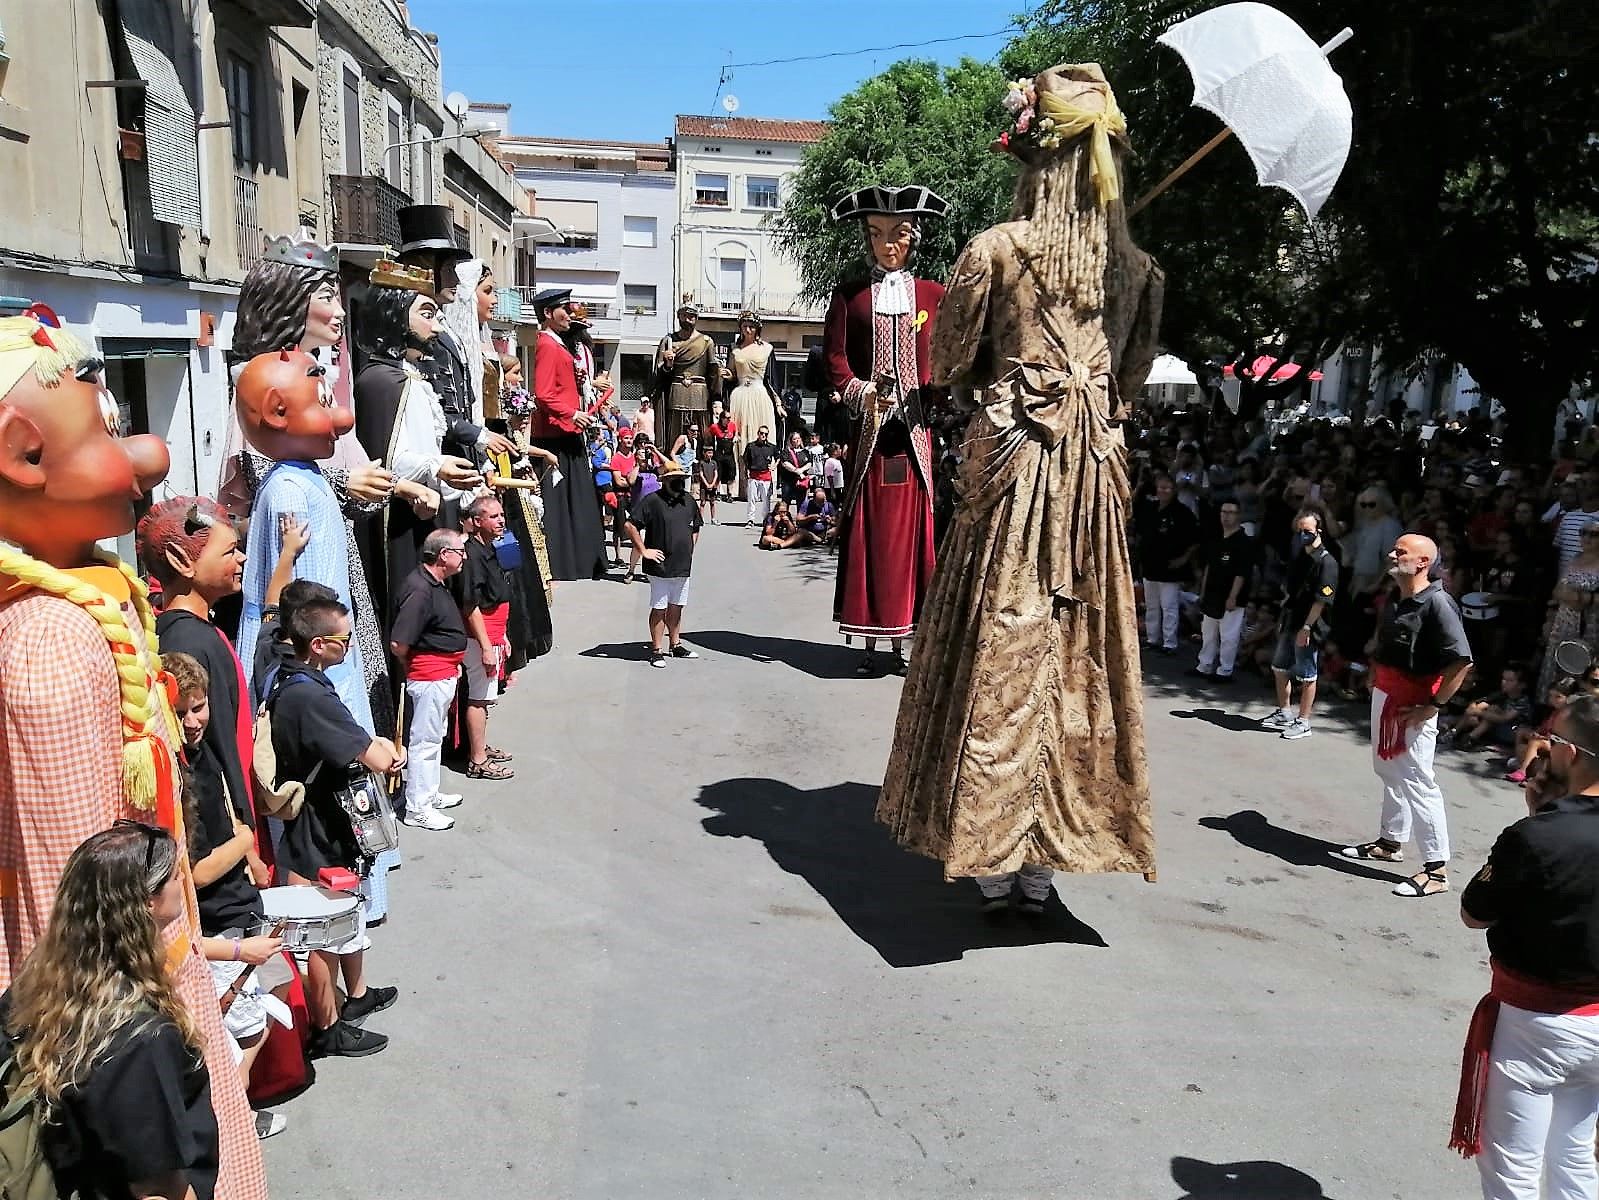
[
  {"x": 1367, "y": 503},
  {"x": 334, "y": 637},
  {"x": 152, "y": 839},
  {"x": 1557, "y": 740}
]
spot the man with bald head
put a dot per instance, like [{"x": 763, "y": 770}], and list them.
[{"x": 1419, "y": 657}]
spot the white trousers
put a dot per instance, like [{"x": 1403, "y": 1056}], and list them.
[
  {"x": 1411, "y": 797},
  {"x": 1219, "y": 648},
  {"x": 1162, "y": 606},
  {"x": 759, "y": 494},
  {"x": 1538, "y": 1115},
  {"x": 424, "y": 744},
  {"x": 1034, "y": 881}
]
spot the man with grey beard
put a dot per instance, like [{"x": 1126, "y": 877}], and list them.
[{"x": 1420, "y": 657}]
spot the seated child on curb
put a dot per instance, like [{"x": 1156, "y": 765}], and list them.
[{"x": 1533, "y": 744}]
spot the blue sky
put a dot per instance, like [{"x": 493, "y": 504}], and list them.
[{"x": 623, "y": 69}]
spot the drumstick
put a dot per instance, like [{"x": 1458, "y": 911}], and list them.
[
  {"x": 500, "y": 481},
  {"x": 399, "y": 737},
  {"x": 228, "y": 997}
]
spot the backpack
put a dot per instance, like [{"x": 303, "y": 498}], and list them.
[
  {"x": 25, "y": 1172},
  {"x": 277, "y": 800}
]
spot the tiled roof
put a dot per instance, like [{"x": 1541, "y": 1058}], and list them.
[{"x": 751, "y": 129}]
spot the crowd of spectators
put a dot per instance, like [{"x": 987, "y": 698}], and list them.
[{"x": 1231, "y": 518}]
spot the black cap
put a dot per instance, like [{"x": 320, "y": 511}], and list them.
[{"x": 549, "y": 298}]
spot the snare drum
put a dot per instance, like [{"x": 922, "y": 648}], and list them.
[
  {"x": 1479, "y": 606},
  {"x": 314, "y": 918},
  {"x": 366, "y": 803}
]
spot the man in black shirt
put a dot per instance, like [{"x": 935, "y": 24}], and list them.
[
  {"x": 1302, "y": 627},
  {"x": 428, "y": 640},
  {"x": 486, "y": 607},
  {"x": 759, "y": 456},
  {"x": 1419, "y": 656},
  {"x": 1168, "y": 537},
  {"x": 1229, "y": 566},
  {"x": 1537, "y": 1032},
  {"x": 664, "y": 528}
]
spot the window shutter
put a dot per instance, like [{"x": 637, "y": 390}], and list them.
[{"x": 170, "y": 134}]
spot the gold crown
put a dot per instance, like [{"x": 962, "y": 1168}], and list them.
[{"x": 398, "y": 275}]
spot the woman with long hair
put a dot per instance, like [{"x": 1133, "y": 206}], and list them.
[
  {"x": 101, "y": 1035},
  {"x": 753, "y": 400}
]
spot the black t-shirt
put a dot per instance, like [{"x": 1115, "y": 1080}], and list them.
[
  {"x": 1165, "y": 534},
  {"x": 1422, "y": 634},
  {"x": 232, "y": 901},
  {"x": 1312, "y": 577},
  {"x": 758, "y": 456},
  {"x": 143, "y": 1112},
  {"x": 1540, "y": 888},
  {"x": 483, "y": 582},
  {"x": 668, "y": 523},
  {"x": 312, "y": 731},
  {"x": 186, "y": 633},
  {"x": 426, "y": 616},
  {"x": 1227, "y": 559}
]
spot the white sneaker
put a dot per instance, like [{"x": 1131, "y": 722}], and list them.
[
  {"x": 429, "y": 818},
  {"x": 1297, "y": 728},
  {"x": 1279, "y": 719},
  {"x": 447, "y": 800}
]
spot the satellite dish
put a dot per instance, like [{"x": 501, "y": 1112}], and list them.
[
  {"x": 457, "y": 105},
  {"x": 730, "y": 103}
]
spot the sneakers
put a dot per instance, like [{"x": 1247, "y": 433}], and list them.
[
  {"x": 374, "y": 999},
  {"x": 1279, "y": 719},
  {"x": 682, "y": 651},
  {"x": 428, "y": 818},
  {"x": 268, "y": 1123},
  {"x": 657, "y": 658},
  {"x": 1295, "y": 729},
  {"x": 447, "y": 800},
  {"x": 343, "y": 1040}
]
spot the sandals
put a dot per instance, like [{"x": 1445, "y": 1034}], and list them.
[
  {"x": 1436, "y": 883},
  {"x": 1377, "y": 851},
  {"x": 488, "y": 770},
  {"x": 495, "y": 755}
]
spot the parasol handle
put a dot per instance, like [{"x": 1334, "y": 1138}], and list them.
[
  {"x": 1182, "y": 169},
  {"x": 1337, "y": 39}
]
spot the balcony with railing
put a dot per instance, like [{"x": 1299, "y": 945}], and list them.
[
  {"x": 508, "y": 305},
  {"x": 766, "y": 304},
  {"x": 599, "y": 310},
  {"x": 248, "y": 237},
  {"x": 364, "y": 210}
]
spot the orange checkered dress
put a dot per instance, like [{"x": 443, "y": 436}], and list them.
[{"x": 60, "y": 782}]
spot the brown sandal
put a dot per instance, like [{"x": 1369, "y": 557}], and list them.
[
  {"x": 488, "y": 770},
  {"x": 495, "y": 755}
]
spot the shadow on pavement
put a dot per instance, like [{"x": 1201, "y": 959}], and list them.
[
  {"x": 1234, "y": 722},
  {"x": 824, "y": 660},
  {"x": 1251, "y": 828},
  {"x": 638, "y": 651},
  {"x": 1203, "y": 1180},
  {"x": 894, "y": 901}
]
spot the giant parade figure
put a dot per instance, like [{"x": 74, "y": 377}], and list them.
[
  {"x": 86, "y": 728},
  {"x": 876, "y": 349},
  {"x": 1019, "y": 748}
]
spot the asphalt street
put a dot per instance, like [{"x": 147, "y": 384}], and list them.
[{"x": 675, "y": 958}]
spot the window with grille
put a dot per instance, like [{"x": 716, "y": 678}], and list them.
[{"x": 710, "y": 190}]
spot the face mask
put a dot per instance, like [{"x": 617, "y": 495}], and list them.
[
  {"x": 1306, "y": 539},
  {"x": 675, "y": 486}
]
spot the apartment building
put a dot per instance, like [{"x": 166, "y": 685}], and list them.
[
  {"x": 141, "y": 172},
  {"x": 614, "y": 205},
  {"x": 732, "y": 177}
]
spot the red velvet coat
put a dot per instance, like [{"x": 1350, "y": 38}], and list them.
[{"x": 554, "y": 388}]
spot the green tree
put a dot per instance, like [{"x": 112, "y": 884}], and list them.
[
  {"x": 914, "y": 123},
  {"x": 1464, "y": 225}
]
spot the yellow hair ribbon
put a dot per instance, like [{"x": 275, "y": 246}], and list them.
[{"x": 1069, "y": 121}]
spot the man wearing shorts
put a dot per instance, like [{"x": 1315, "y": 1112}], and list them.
[
  {"x": 486, "y": 607},
  {"x": 1312, "y": 584},
  {"x": 664, "y": 528}
]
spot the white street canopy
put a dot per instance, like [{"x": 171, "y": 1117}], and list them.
[
  {"x": 1169, "y": 368},
  {"x": 1263, "y": 75}
]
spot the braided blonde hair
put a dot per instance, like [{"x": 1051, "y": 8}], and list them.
[{"x": 147, "y": 764}]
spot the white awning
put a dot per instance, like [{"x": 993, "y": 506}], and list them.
[
  {"x": 1169, "y": 368},
  {"x": 572, "y": 216}
]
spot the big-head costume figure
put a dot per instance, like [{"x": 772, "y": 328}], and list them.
[
  {"x": 281, "y": 410},
  {"x": 1020, "y": 742},
  {"x": 86, "y": 728},
  {"x": 875, "y": 344}
]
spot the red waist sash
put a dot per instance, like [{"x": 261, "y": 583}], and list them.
[
  {"x": 495, "y": 621},
  {"x": 1518, "y": 991},
  {"x": 429, "y": 666},
  {"x": 1401, "y": 690}
]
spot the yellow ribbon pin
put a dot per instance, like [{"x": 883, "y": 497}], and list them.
[{"x": 921, "y": 319}]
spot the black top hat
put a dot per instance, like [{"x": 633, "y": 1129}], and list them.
[
  {"x": 909, "y": 201},
  {"x": 428, "y": 229}
]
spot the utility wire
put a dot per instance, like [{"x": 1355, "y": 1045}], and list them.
[{"x": 963, "y": 37}]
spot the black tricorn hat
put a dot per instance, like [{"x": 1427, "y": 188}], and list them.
[
  {"x": 911, "y": 200},
  {"x": 428, "y": 229}
]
